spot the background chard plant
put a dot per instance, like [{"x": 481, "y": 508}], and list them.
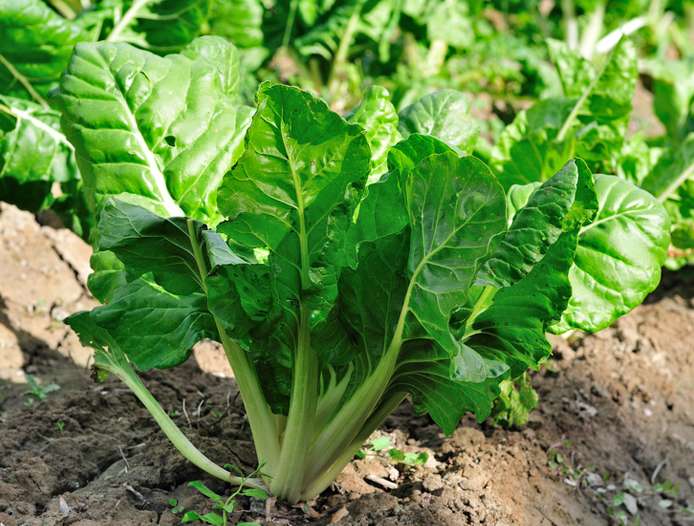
[
  {"x": 37, "y": 40},
  {"x": 343, "y": 264}
]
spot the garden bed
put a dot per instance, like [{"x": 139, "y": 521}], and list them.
[{"x": 615, "y": 421}]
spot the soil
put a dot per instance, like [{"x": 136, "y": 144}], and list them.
[{"x": 613, "y": 435}]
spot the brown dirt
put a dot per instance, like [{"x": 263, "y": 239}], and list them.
[{"x": 616, "y": 412}]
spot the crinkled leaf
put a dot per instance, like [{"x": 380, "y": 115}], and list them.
[
  {"x": 289, "y": 206},
  {"x": 517, "y": 196},
  {"x": 146, "y": 272},
  {"x": 443, "y": 114},
  {"x": 425, "y": 373},
  {"x": 379, "y": 119},
  {"x": 35, "y": 47},
  {"x": 456, "y": 206},
  {"x": 515, "y": 402},
  {"x": 563, "y": 203},
  {"x": 512, "y": 329},
  {"x": 154, "y": 327},
  {"x": 373, "y": 20},
  {"x": 162, "y": 131}
]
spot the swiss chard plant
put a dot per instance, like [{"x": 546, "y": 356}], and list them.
[
  {"x": 591, "y": 119},
  {"x": 344, "y": 265},
  {"x": 37, "y": 163}
]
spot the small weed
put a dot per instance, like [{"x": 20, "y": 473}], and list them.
[
  {"x": 38, "y": 392},
  {"x": 623, "y": 496},
  {"x": 60, "y": 425},
  {"x": 222, "y": 507}
]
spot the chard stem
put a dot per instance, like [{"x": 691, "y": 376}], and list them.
[
  {"x": 261, "y": 419},
  {"x": 326, "y": 476},
  {"x": 129, "y": 377},
  {"x": 301, "y": 419}
]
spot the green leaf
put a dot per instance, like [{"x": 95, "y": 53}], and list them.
[
  {"x": 456, "y": 206},
  {"x": 34, "y": 157},
  {"x": 200, "y": 487},
  {"x": 563, "y": 203},
  {"x": 449, "y": 20},
  {"x": 443, "y": 114},
  {"x": 589, "y": 122},
  {"x": 409, "y": 459},
  {"x": 376, "y": 21},
  {"x": 208, "y": 518},
  {"x": 379, "y": 119},
  {"x": 35, "y": 48},
  {"x": 286, "y": 195},
  {"x": 526, "y": 275},
  {"x": 575, "y": 72},
  {"x": 372, "y": 296},
  {"x": 673, "y": 169},
  {"x": 425, "y": 373},
  {"x": 32, "y": 147},
  {"x": 381, "y": 443},
  {"x": 619, "y": 256},
  {"x": 610, "y": 89},
  {"x": 254, "y": 493},
  {"x": 673, "y": 92},
  {"x": 526, "y": 151},
  {"x": 517, "y": 196},
  {"x": 161, "y": 132},
  {"x": 610, "y": 99},
  {"x": 158, "y": 25},
  {"x": 516, "y": 401},
  {"x": 240, "y": 21},
  {"x": 155, "y": 328},
  {"x": 512, "y": 329},
  {"x": 108, "y": 275},
  {"x": 144, "y": 242},
  {"x": 146, "y": 270}
]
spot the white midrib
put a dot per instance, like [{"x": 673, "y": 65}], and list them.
[
  {"x": 158, "y": 179},
  {"x": 127, "y": 18},
  {"x": 54, "y": 134}
]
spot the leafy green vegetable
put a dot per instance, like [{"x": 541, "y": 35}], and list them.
[
  {"x": 38, "y": 165},
  {"x": 619, "y": 255},
  {"x": 167, "y": 151},
  {"x": 589, "y": 121},
  {"x": 35, "y": 47},
  {"x": 443, "y": 114},
  {"x": 32, "y": 147},
  {"x": 377, "y": 116},
  {"x": 337, "y": 286}
]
